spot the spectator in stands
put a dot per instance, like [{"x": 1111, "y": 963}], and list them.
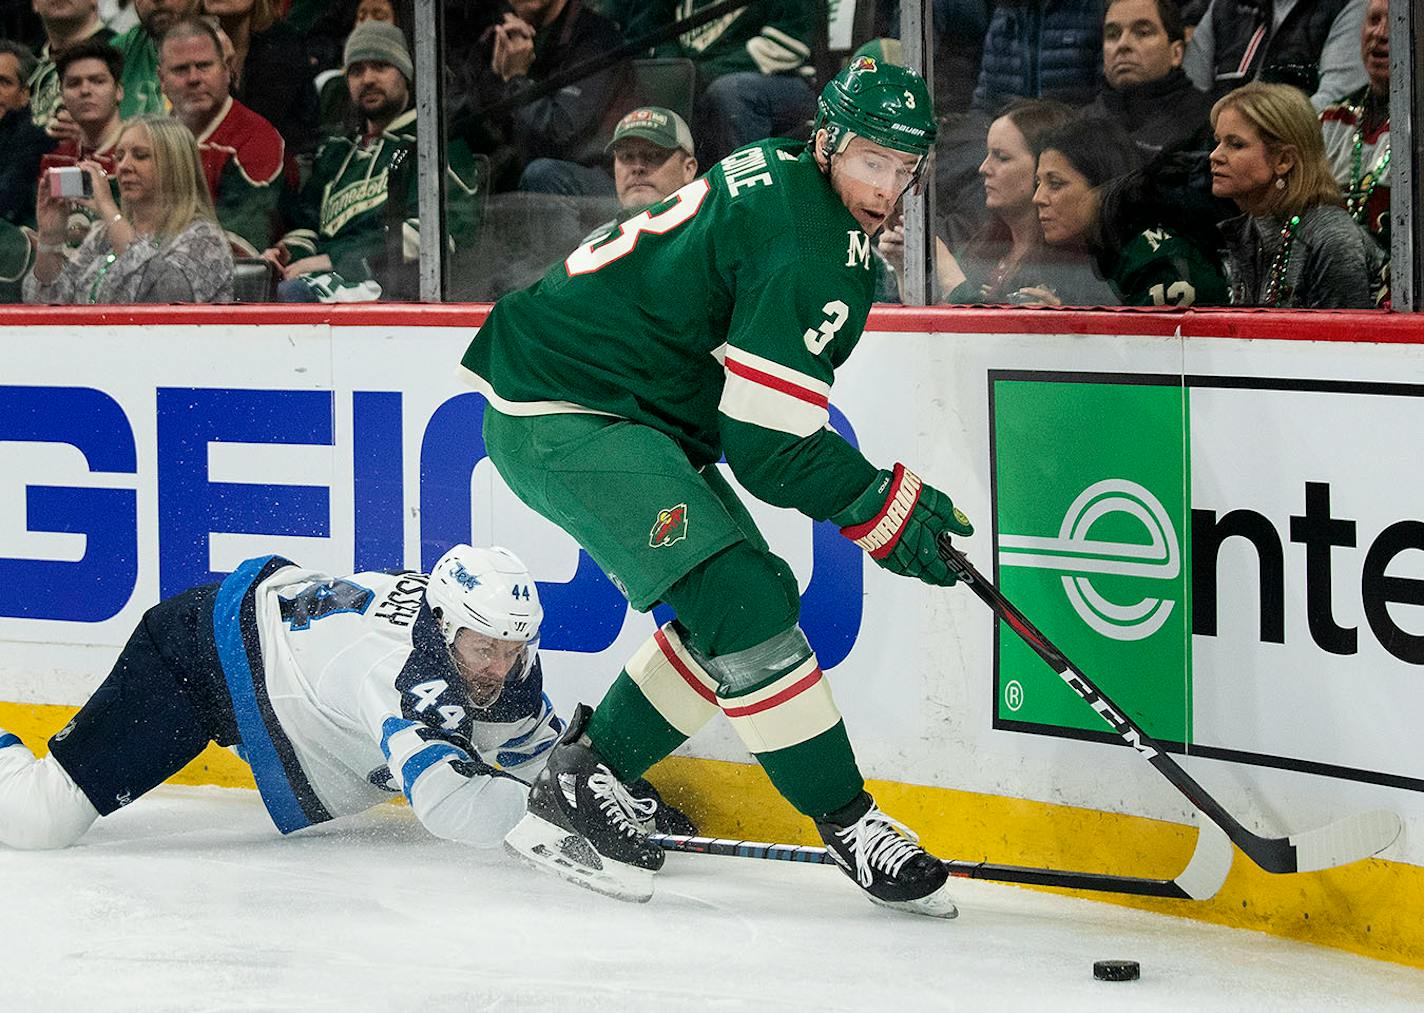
[
  {"x": 1356, "y": 131},
  {"x": 90, "y": 91},
  {"x": 1041, "y": 49},
  {"x": 1006, "y": 255},
  {"x": 652, "y": 156},
  {"x": 1239, "y": 40},
  {"x": 270, "y": 71},
  {"x": 242, "y": 153},
  {"x": 354, "y": 222},
  {"x": 118, "y": 15},
  {"x": 1145, "y": 257},
  {"x": 1294, "y": 244},
  {"x": 66, "y": 23},
  {"x": 143, "y": 94},
  {"x": 558, "y": 139},
  {"x": 753, "y": 69},
  {"x": 1146, "y": 91},
  {"x": 23, "y": 143},
  {"x": 163, "y": 246}
]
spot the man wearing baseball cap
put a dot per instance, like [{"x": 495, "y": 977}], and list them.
[{"x": 652, "y": 156}]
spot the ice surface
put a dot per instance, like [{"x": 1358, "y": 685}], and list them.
[{"x": 189, "y": 900}]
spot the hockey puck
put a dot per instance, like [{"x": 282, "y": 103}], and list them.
[{"x": 1116, "y": 970}]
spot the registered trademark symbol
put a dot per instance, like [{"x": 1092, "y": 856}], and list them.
[{"x": 1013, "y": 695}]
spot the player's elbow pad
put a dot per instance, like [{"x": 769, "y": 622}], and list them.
[{"x": 478, "y": 813}]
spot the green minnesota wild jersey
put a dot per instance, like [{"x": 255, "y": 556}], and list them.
[
  {"x": 1160, "y": 268},
  {"x": 717, "y": 316}
]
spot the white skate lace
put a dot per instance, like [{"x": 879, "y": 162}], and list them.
[
  {"x": 624, "y": 812},
  {"x": 879, "y": 841}
]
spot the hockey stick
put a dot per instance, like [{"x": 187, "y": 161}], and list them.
[
  {"x": 1340, "y": 843},
  {"x": 1200, "y": 880}
]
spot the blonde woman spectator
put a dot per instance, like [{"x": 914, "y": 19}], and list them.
[
  {"x": 1294, "y": 244},
  {"x": 162, "y": 245}
]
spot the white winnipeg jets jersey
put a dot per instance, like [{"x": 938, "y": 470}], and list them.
[{"x": 354, "y": 697}]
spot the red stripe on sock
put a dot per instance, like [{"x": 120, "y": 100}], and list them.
[
  {"x": 779, "y": 698},
  {"x": 662, "y": 641}
]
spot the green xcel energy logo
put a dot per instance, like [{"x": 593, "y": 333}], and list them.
[{"x": 1090, "y": 504}]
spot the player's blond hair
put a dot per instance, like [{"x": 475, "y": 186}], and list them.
[
  {"x": 1284, "y": 118},
  {"x": 182, "y": 188}
]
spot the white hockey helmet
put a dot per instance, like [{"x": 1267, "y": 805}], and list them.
[{"x": 488, "y": 594}]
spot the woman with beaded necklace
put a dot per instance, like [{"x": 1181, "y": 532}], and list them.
[{"x": 1294, "y": 245}]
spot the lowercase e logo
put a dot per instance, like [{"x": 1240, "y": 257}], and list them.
[{"x": 1077, "y": 555}]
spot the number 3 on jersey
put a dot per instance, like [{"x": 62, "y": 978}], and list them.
[
  {"x": 601, "y": 252},
  {"x": 816, "y": 338}
]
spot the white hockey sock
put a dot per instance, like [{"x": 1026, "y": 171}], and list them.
[{"x": 40, "y": 805}]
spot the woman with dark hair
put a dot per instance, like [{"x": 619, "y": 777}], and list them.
[
  {"x": 1294, "y": 243},
  {"x": 1006, "y": 255},
  {"x": 1087, "y": 171},
  {"x": 270, "y": 71}
]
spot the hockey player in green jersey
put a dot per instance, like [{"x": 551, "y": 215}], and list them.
[{"x": 712, "y": 323}]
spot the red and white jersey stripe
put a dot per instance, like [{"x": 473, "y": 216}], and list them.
[{"x": 768, "y": 394}]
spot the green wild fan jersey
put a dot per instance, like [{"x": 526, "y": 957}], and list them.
[
  {"x": 717, "y": 316},
  {"x": 1159, "y": 268}
]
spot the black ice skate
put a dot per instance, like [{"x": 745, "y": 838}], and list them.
[
  {"x": 584, "y": 826},
  {"x": 884, "y": 857}
]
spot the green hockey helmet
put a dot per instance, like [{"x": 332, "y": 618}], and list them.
[{"x": 882, "y": 102}]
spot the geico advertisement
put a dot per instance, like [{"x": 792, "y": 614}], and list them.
[
  {"x": 1239, "y": 561},
  {"x": 136, "y": 462}
]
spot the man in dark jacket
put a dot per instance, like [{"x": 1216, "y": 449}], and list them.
[
  {"x": 1238, "y": 40},
  {"x": 1041, "y": 49},
  {"x": 23, "y": 143},
  {"x": 557, "y": 140},
  {"x": 1146, "y": 90}
]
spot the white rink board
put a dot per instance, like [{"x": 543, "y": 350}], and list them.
[{"x": 916, "y": 686}]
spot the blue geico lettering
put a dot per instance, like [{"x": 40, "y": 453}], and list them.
[
  {"x": 584, "y": 614},
  {"x": 98, "y": 585}
]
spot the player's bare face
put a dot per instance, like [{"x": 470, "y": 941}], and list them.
[
  {"x": 485, "y": 663},
  {"x": 194, "y": 78},
  {"x": 869, "y": 179}
]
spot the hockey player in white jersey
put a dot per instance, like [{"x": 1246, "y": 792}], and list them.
[{"x": 339, "y": 691}]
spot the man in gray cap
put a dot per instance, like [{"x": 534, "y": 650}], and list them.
[
  {"x": 652, "y": 156},
  {"x": 337, "y": 250}
]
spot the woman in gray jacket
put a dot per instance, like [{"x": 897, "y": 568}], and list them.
[
  {"x": 1295, "y": 244},
  {"x": 161, "y": 243}
]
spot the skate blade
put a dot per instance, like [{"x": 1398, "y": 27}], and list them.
[
  {"x": 551, "y": 848},
  {"x": 935, "y": 905}
]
